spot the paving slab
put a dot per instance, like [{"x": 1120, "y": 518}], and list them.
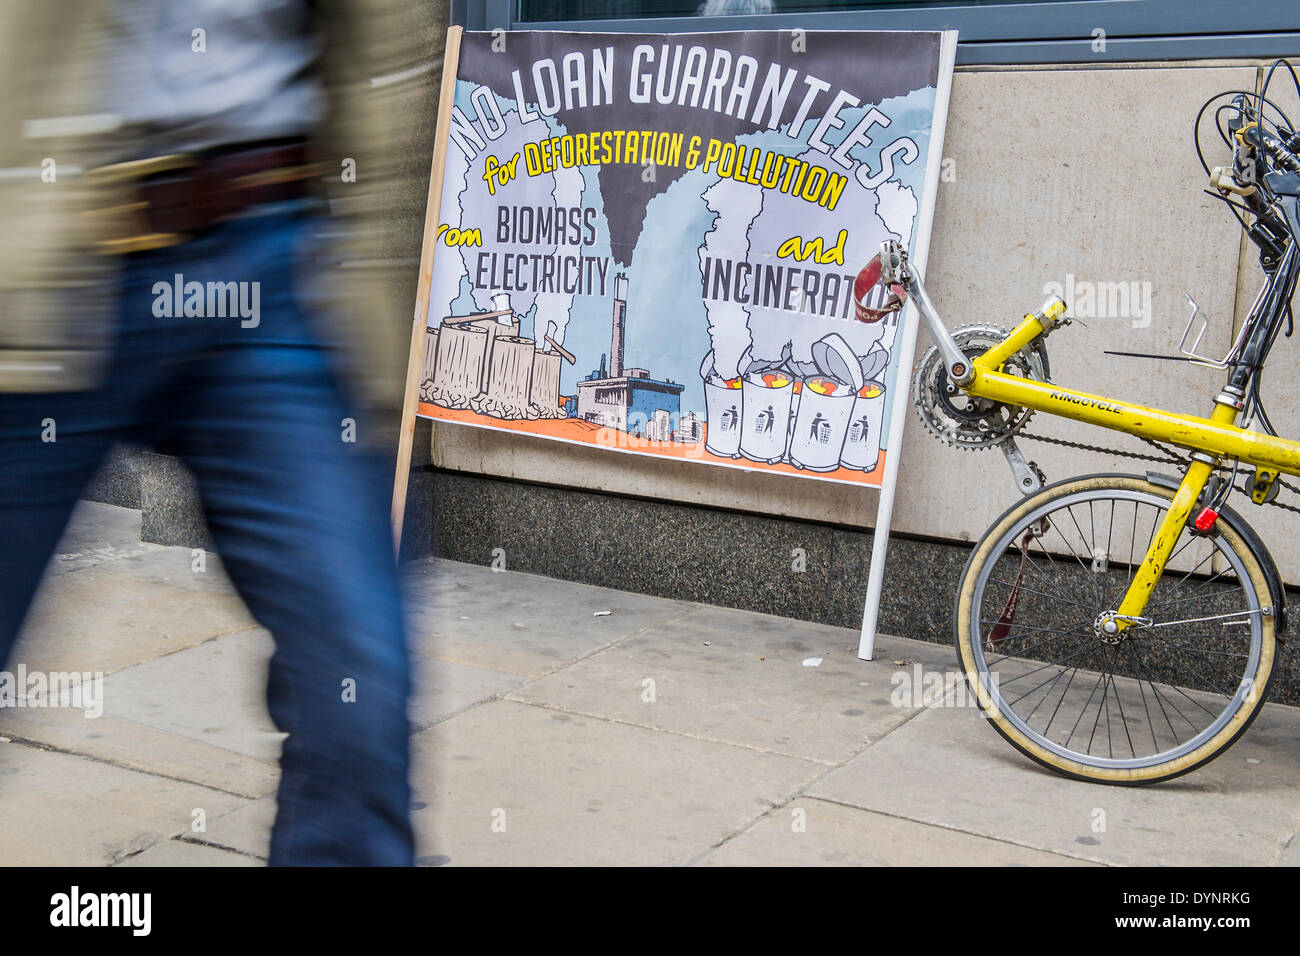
[
  {"x": 245, "y": 829},
  {"x": 180, "y": 853},
  {"x": 948, "y": 768},
  {"x": 212, "y": 693},
  {"x": 97, "y": 533},
  {"x": 442, "y": 688},
  {"x": 816, "y": 833},
  {"x": 528, "y": 703},
  {"x": 1290, "y": 855},
  {"x": 519, "y": 623},
  {"x": 121, "y": 612},
  {"x": 741, "y": 678},
  {"x": 138, "y": 747},
  {"x": 574, "y": 790},
  {"x": 66, "y": 810}
]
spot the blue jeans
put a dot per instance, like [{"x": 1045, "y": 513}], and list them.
[{"x": 254, "y": 405}]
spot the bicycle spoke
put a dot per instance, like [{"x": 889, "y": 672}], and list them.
[
  {"x": 1123, "y": 721},
  {"x": 1035, "y": 670},
  {"x": 1141, "y": 695}
]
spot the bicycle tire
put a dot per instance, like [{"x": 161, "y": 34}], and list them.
[{"x": 972, "y": 634}]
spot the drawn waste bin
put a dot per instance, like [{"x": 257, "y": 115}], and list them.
[
  {"x": 862, "y": 444},
  {"x": 825, "y": 405},
  {"x": 765, "y": 421},
  {"x": 794, "y": 414},
  {"x": 722, "y": 404}
]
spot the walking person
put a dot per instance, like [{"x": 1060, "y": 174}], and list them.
[{"x": 161, "y": 284}]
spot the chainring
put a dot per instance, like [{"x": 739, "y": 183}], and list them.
[{"x": 963, "y": 420}]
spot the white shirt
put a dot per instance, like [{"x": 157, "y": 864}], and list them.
[{"x": 189, "y": 75}]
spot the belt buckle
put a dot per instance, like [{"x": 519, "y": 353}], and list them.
[{"x": 139, "y": 236}]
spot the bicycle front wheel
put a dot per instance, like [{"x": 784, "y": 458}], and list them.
[{"x": 1161, "y": 698}]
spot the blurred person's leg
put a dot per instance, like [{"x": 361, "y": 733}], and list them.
[
  {"x": 299, "y": 515},
  {"x": 50, "y": 446}
]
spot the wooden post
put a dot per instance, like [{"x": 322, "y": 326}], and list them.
[{"x": 432, "y": 212}]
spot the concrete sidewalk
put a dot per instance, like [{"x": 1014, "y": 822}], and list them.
[{"x": 559, "y": 723}]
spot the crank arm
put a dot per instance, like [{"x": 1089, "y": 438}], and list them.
[
  {"x": 1029, "y": 478},
  {"x": 896, "y": 270}
]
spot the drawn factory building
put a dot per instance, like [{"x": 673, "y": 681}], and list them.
[
  {"x": 480, "y": 362},
  {"x": 627, "y": 398}
]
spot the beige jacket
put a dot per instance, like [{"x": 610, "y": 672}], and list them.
[{"x": 55, "y": 312}]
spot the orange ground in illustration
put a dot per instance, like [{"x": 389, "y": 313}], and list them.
[{"x": 588, "y": 433}]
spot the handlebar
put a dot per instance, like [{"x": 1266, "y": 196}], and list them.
[
  {"x": 1252, "y": 141},
  {"x": 1278, "y": 151}
]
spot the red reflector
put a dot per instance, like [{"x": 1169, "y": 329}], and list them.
[{"x": 1205, "y": 520}]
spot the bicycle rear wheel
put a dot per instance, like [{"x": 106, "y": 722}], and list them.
[{"x": 1158, "y": 700}]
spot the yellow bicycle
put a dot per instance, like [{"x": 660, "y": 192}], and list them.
[{"x": 1122, "y": 628}]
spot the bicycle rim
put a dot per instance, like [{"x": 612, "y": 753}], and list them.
[{"x": 1163, "y": 698}]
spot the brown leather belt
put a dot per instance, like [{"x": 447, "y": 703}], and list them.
[{"x": 178, "y": 196}]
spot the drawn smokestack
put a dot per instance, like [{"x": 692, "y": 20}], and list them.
[{"x": 616, "y": 342}]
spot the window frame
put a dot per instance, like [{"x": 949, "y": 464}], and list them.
[{"x": 1059, "y": 31}]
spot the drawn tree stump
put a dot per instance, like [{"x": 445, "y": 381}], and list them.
[
  {"x": 545, "y": 397},
  {"x": 428, "y": 365},
  {"x": 509, "y": 379},
  {"x": 458, "y": 371}
]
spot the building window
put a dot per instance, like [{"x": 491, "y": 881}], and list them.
[
  {"x": 538, "y": 11},
  {"x": 990, "y": 31}
]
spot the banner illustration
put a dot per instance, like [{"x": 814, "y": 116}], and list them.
[{"x": 648, "y": 242}]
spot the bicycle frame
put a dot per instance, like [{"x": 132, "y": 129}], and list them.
[
  {"x": 1210, "y": 439},
  {"x": 1217, "y": 436}
]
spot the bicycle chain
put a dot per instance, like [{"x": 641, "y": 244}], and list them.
[{"x": 1169, "y": 457}]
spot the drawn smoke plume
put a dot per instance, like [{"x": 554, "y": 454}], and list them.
[
  {"x": 553, "y": 307},
  {"x": 737, "y": 205}
]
